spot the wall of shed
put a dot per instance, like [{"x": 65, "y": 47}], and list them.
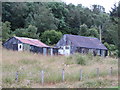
[
  {"x": 26, "y": 47},
  {"x": 36, "y": 49},
  {"x": 12, "y": 43}
]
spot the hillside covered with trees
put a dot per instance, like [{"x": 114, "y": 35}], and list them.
[{"x": 49, "y": 21}]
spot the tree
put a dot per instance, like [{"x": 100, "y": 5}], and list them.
[
  {"x": 98, "y": 9},
  {"x": 30, "y": 32},
  {"x": 72, "y": 19},
  {"x": 112, "y": 49},
  {"x": 0, "y": 30},
  {"x": 41, "y": 17},
  {"x": 60, "y": 12},
  {"x": 15, "y": 13},
  {"x": 51, "y": 37},
  {"x": 115, "y": 31},
  {"x": 21, "y": 32},
  {"x": 83, "y": 30},
  {"x": 93, "y": 32},
  {"x": 58, "y": 9},
  {"x": 6, "y": 31}
]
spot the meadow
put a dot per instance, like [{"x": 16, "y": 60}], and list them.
[{"x": 29, "y": 66}]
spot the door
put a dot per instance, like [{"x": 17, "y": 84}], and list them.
[{"x": 45, "y": 51}]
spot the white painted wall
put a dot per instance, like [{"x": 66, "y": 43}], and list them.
[
  {"x": 64, "y": 50},
  {"x": 51, "y": 51},
  {"x": 67, "y": 50},
  {"x": 61, "y": 51}
]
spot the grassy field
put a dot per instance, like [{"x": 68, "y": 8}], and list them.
[{"x": 29, "y": 66}]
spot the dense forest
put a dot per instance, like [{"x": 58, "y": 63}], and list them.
[{"x": 49, "y": 21}]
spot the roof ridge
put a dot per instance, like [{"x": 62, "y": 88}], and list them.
[
  {"x": 81, "y": 36},
  {"x": 26, "y": 38}
]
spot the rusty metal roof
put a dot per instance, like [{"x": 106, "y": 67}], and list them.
[
  {"x": 87, "y": 42},
  {"x": 30, "y": 41}
]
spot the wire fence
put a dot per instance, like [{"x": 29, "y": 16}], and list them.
[{"x": 43, "y": 76}]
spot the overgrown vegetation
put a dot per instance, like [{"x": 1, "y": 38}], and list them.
[
  {"x": 29, "y": 66},
  {"x": 80, "y": 59},
  {"x": 51, "y": 37}
]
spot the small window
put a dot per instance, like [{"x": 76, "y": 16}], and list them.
[
  {"x": 66, "y": 47},
  {"x": 20, "y": 46},
  {"x": 61, "y": 47}
]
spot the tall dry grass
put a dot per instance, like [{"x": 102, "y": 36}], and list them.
[
  {"x": 29, "y": 66},
  {"x": 0, "y": 66}
]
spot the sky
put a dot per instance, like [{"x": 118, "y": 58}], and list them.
[{"x": 107, "y": 4}]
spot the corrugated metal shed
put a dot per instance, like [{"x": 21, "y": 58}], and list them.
[
  {"x": 30, "y": 41},
  {"x": 87, "y": 42}
]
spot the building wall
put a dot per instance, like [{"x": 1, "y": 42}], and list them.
[
  {"x": 95, "y": 52},
  {"x": 26, "y": 47},
  {"x": 63, "y": 43},
  {"x": 36, "y": 49},
  {"x": 12, "y": 43}
]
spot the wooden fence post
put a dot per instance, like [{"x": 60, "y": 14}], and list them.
[
  {"x": 111, "y": 70},
  {"x": 97, "y": 72},
  {"x": 80, "y": 74},
  {"x": 16, "y": 76},
  {"x": 42, "y": 77},
  {"x": 63, "y": 75}
]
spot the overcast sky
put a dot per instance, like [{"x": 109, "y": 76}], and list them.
[{"x": 107, "y": 4}]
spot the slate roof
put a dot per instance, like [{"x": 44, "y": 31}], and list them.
[
  {"x": 87, "y": 42},
  {"x": 30, "y": 41}
]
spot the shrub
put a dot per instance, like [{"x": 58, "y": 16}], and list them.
[
  {"x": 80, "y": 59},
  {"x": 112, "y": 49},
  {"x": 90, "y": 56},
  {"x": 69, "y": 60},
  {"x": 51, "y": 37},
  {"x": 8, "y": 80}
]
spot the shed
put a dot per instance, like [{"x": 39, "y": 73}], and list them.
[
  {"x": 70, "y": 44},
  {"x": 28, "y": 44}
]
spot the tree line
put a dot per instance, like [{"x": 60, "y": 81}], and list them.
[{"x": 49, "y": 21}]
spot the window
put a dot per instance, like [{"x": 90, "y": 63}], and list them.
[
  {"x": 66, "y": 47},
  {"x": 61, "y": 47},
  {"x": 20, "y": 46}
]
